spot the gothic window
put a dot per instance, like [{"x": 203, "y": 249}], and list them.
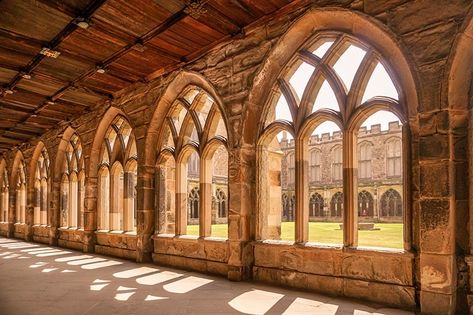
[
  {"x": 336, "y": 205},
  {"x": 41, "y": 181},
  {"x": 391, "y": 204},
  {"x": 315, "y": 165},
  {"x": 20, "y": 192},
  {"x": 117, "y": 178},
  {"x": 194, "y": 204},
  {"x": 316, "y": 205},
  {"x": 337, "y": 168},
  {"x": 4, "y": 193},
  {"x": 73, "y": 185},
  {"x": 393, "y": 158},
  {"x": 192, "y": 152},
  {"x": 364, "y": 160},
  {"x": 365, "y": 204},
  {"x": 291, "y": 169},
  {"x": 332, "y": 89},
  {"x": 221, "y": 199}
]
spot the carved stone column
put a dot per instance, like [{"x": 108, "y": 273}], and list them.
[
  {"x": 241, "y": 216},
  {"x": 145, "y": 213},
  {"x": 90, "y": 214}
]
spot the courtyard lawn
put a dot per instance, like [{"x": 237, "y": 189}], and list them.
[{"x": 389, "y": 234}]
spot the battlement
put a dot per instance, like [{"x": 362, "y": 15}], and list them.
[{"x": 373, "y": 130}]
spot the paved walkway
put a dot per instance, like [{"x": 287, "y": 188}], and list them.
[{"x": 38, "y": 279}]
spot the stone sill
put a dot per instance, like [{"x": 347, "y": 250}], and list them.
[
  {"x": 108, "y": 232},
  {"x": 189, "y": 238},
  {"x": 339, "y": 248},
  {"x": 18, "y": 223},
  {"x": 70, "y": 229},
  {"x": 41, "y": 225}
]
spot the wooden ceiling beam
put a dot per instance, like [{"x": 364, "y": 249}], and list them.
[{"x": 63, "y": 34}]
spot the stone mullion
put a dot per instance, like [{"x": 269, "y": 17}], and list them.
[
  {"x": 350, "y": 215},
  {"x": 145, "y": 192},
  {"x": 11, "y": 211},
  {"x": 181, "y": 198},
  {"x": 407, "y": 178},
  {"x": 29, "y": 212},
  {"x": 302, "y": 193},
  {"x": 54, "y": 212},
  {"x": 205, "y": 191},
  {"x": 90, "y": 214}
]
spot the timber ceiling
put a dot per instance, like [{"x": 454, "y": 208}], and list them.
[{"x": 104, "y": 46}]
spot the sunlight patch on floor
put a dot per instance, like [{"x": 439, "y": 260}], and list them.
[
  {"x": 306, "y": 306},
  {"x": 134, "y": 272},
  {"x": 155, "y": 298},
  {"x": 187, "y": 284},
  {"x": 158, "y": 278},
  {"x": 70, "y": 258},
  {"x": 255, "y": 302},
  {"x": 85, "y": 261},
  {"x": 53, "y": 254},
  {"x": 102, "y": 264}
]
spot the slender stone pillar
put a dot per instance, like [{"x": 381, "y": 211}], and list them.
[
  {"x": 90, "y": 214},
  {"x": 145, "y": 212}
]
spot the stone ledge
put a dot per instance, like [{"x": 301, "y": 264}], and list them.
[
  {"x": 389, "y": 268},
  {"x": 208, "y": 249},
  {"x": 387, "y": 294}
]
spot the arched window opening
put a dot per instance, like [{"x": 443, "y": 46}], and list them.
[
  {"x": 72, "y": 193},
  {"x": 193, "y": 198},
  {"x": 393, "y": 157},
  {"x": 166, "y": 195},
  {"x": 379, "y": 169},
  {"x": 104, "y": 199},
  {"x": 193, "y": 205},
  {"x": 315, "y": 162},
  {"x": 331, "y": 98},
  {"x": 219, "y": 191},
  {"x": 116, "y": 197},
  {"x": 364, "y": 160},
  {"x": 391, "y": 205},
  {"x": 41, "y": 183},
  {"x": 4, "y": 196},
  {"x": 337, "y": 164},
  {"x": 316, "y": 207},
  {"x": 365, "y": 204},
  {"x": 221, "y": 199},
  {"x": 20, "y": 192},
  {"x": 277, "y": 187},
  {"x": 118, "y": 171},
  {"x": 195, "y": 137},
  {"x": 336, "y": 205}
]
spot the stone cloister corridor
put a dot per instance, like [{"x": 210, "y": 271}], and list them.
[
  {"x": 206, "y": 156},
  {"x": 63, "y": 281}
]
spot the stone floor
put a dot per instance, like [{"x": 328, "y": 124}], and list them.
[{"x": 38, "y": 279}]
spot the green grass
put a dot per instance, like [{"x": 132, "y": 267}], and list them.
[{"x": 389, "y": 234}]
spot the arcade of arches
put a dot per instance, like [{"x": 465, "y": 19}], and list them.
[{"x": 327, "y": 149}]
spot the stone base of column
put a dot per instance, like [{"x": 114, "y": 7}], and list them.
[
  {"x": 28, "y": 233},
  {"x": 10, "y": 230},
  {"x": 144, "y": 248},
  {"x": 53, "y": 236},
  {"x": 89, "y": 242},
  {"x": 239, "y": 273},
  {"x": 437, "y": 303}
]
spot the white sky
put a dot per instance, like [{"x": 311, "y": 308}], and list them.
[{"x": 379, "y": 84}]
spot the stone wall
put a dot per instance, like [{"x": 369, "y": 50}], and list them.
[{"x": 425, "y": 44}]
